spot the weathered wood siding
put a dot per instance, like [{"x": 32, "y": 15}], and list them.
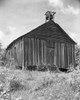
[
  {"x": 16, "y": 53},
  {"x": 47, "y": 52},
  {"x": 35, "y": 52},
  {"x": 64, "y": 55}
]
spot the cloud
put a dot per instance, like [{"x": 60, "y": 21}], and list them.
[
  {"x": 70, "y": 9},
  {"x": 1, "y": 35},
  {"x": 10, "y": 30},
  {"x": 59, "y": 4},
  {"x": 73, "y": 35},
  {"x": 7, "y": 35},
  {"x": 56, "y": 3}
]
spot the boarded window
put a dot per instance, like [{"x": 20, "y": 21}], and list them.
[
  {"x": 50, "y": 51},
  {"x": 50, "y": 44}
]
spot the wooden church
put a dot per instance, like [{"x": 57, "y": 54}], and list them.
[{"x": 48, "y": 44}]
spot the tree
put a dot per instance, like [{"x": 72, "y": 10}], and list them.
[
  {"x": 0, "y": 50},
  {"x": 77, "y": 55},
  {"x": 2, "y": 55}
]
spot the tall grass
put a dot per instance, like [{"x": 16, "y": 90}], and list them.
[{"x": 38, "y": 85}]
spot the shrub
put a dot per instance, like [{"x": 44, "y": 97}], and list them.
[
  {"x": 77, "y": 55},
  {"x": 2, "y": 78},
  {"x": 52, "y": 68},
  {"x": 44, "y": 83},
  {"x": 42, "y": 68},
  {"x": 15, "y": 85},
  {"x": 63, "y": 69},
  {"x": 3, "y": 59},
  {"x": 1, "y": 88},
  {"x": 18, "y": 67},
  {"x": 32, "y": 68}
]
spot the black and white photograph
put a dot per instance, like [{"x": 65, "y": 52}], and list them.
[{"x": 39, "y": 49}]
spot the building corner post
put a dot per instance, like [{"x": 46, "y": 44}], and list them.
[{"x": 23, "y": 66}]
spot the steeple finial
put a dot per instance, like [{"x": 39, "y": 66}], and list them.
[{"x": 49, "y": 15}]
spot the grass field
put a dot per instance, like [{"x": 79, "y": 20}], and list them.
[{"x": 25, "y": 85}]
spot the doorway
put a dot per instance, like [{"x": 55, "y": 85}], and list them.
[{"x": 50, "y": 56}]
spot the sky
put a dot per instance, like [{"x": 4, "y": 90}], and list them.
[{"x": 17, "y": 17}]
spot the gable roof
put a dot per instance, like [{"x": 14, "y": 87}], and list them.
[{"x": 48, "y": 30}]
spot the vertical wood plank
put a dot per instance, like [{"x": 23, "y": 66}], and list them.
[
  {"x": 58, "y": 56},
  {"x": 27, "y": 51},
  {"x": 42, "y": 52},
  {"x": 68, "y": 53},
  {"x": 33, "y": 52},
  {"x": 55, "y": 54},
  {"x": 65, "y": 56},
  {"x": 26, "y": 54},
  {"x": 38, "y": 52},
  {"x": 63, "y": 61},
  {"x": 74, "y": 55},
  {"x": 66, "y": 62}
]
